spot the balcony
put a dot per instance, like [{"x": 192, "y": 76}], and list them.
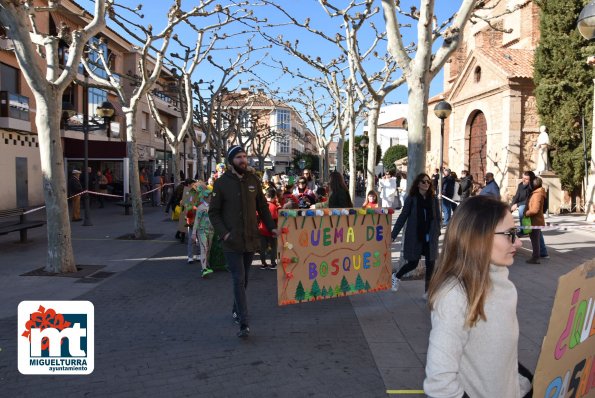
[
  {"x": 167, "y": 103},
  {"x": 14, "y": 111}
]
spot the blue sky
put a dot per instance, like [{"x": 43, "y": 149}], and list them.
[{"x": 155, "y": 14}]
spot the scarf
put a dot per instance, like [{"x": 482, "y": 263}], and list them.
[{"x": 424, "y": 216}]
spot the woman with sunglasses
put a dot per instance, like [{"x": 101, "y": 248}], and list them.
[
  {"x": 473, "y": 347},
  {"x": 420, "y": 212}
]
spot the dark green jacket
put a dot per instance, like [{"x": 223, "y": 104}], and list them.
[{"x": 233, "y": 209}]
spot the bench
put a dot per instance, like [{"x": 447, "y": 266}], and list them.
[{"x": 22, "y": 225}]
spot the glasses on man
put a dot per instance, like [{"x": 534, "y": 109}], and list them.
[
  {"x": 512, "y": 233},
  {"x": 425, "y": 181}
]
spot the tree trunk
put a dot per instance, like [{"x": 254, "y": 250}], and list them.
[
  {"x": 60, "y": 256},
  {"x": 417, "y": 120},
  {"x": 175, "y": 165},
  {"x": 135, "y": 191},
  {"x": 340, "y": 143},
  {"x": 373, "y": 114},
  {"x": 352, "y": 165}
]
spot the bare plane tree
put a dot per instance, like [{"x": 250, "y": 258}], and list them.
[
  {"x": 150, "y": 63},
  {"x": 37, "y": 55}
]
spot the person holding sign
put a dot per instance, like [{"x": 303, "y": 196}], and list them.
[
  {"x": 420, "y": 212},
  {"x": 237, "y": 198},
  {"x": 473, "y": 347}
]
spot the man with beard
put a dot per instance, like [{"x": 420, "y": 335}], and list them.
[{"x": 237, "y": 197}]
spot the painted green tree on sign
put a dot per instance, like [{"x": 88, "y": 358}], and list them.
[
  {"x": 338, "y": 290},
  {"x": 367, "y": 286},
  {"x": 315, "y": 291},
  {"x": 345, "y": 286},
  {"x": 324, "y": 292},
  {"x": 330, "y": 291},
  {"x": 300, "y": 295},
  {"x": 359, "y": 283}
]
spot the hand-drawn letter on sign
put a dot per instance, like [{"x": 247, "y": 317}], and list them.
[{"x": 332, "y": 253}]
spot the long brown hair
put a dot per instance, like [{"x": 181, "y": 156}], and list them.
[
  {"x": 467, "y": 252},
  {"x": 414, "y": 189}
]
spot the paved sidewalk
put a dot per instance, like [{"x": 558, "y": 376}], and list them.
[{"x": 163, "y": 331}]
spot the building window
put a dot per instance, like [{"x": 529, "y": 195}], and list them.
[
  {"x": 477, "y": 74},
  {"x": 9, "y": 79},
  {"x": 283, "y": 120},
  {"x": 283, "y": 144},
  {"x": 96, "y": 98},
  {"x": 144, "y": 121}
]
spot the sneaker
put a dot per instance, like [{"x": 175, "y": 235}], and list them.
[
  {"x": 244, "y": 331},
  {"x": 273, "y": 267},
  {"x": 394, "y": 282},
  {"x": 196, "y": 257},
  {"x": 533, "y": 261},
  {"x": 190, "y": 260},
  {"x": 264, "y": 266},
  {"x": 206, "y": 272},
  {"x": 546, "y": 256},
  {"x": 236, "y": 318}
]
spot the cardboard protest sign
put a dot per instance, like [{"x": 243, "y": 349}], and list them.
[
  {"x": 566, "y": 365},
  {"x": 332, "y": 253}
]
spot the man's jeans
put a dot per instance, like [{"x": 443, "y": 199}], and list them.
[
  {"x": 542, "y": 248},
  {"x": 446, "y": 211},
  {"x": 239, "y": 266}
]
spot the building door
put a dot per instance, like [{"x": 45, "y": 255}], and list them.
[
  {"x": 478, "y": 146},
  {"x": 22, "y": 181}
]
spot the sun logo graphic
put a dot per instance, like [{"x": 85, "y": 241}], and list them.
[{"x": 56, "y": 337}]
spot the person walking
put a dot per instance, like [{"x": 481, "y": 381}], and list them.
[
  {"x": 523, "y": 190},
  {"x": 268, "y": 242},
  {"x": 473, "y": 344},
  {"x": 448, "y": 189},
  {"x": 491, "y": 188},
  {"x": 75, "y": 187},
  {"x": 534, "y": 210},
  {"x": 388, "y": 189},
  {"x": 202, "y": 231},
  {"x": 190, "y": 203},
  {"x": 237, "y": 198},
  {"x": 420, "y": 212},
  {"x": 339, "y": 196}
]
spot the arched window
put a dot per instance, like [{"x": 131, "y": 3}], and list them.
[{"x": 477, "y": 74}]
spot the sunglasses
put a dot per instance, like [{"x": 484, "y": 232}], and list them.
[{"x": 513, "y": 233}]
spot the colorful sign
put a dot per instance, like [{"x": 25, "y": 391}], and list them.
[
  {"x": 566, "y": 365},
  {"x": 332, "y": 253}
]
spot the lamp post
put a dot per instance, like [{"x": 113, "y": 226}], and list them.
[
  {"x": 106, "y": 111},
  {"x": 364, "y": 144},
  {"x": 586, "y": 27},
  {"x": 442, "y": 110},
  {"x": 302, "y": 164}
]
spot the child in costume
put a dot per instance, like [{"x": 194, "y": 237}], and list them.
[
  {"x": 202, "y": 232},
  {"x": 267, "y": 240}
]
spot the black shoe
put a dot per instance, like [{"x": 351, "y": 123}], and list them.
[
  {"x": 236, "y": 318},
  {"x": 264, "y": 266},
  {"x": 273, "y": 267},
  {"x": 244, "y": 331},
  {"x": 533, "y": 261}
]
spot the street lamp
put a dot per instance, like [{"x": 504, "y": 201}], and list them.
[
  {"x": 442, "y": 110},
  {"x": 586, "y": 27},
  {"x": 105, "y": 111},
  {"x": 302, "y": 164},
  {"x": 364, "y": 144}
]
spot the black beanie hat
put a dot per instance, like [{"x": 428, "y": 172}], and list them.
[{"x": 233, "y": 151}]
